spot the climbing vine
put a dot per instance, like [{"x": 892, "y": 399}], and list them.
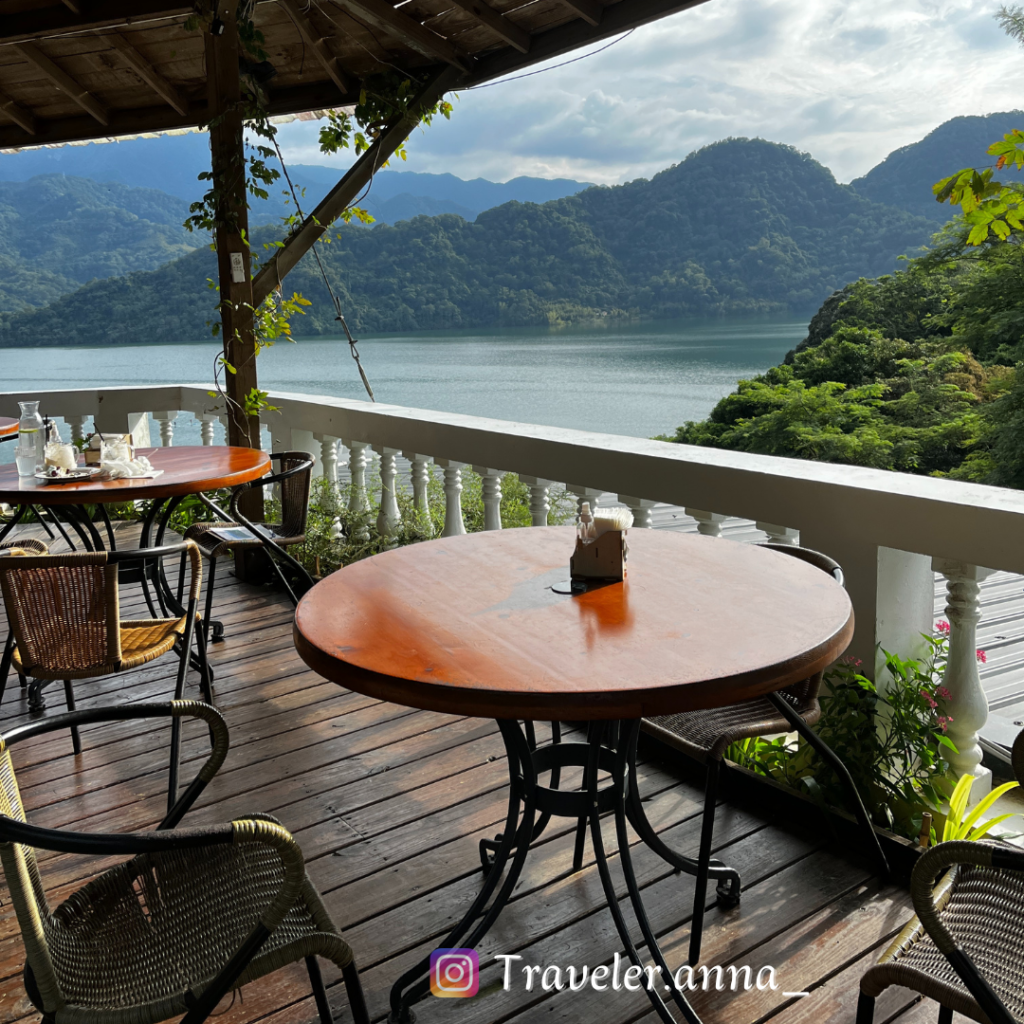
[{"x": 383, "y": 99}]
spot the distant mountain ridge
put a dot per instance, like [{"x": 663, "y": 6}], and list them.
[
  {"x": 173, "y": 163},
  {"x": 58, "y": 232},
  {"x": 739, "y": 226},
  {"x": 905, "y": 177}
]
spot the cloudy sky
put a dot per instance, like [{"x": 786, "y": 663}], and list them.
[{"x": 846, "y": 80}]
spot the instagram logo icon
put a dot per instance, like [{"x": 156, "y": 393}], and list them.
[{"x": 454, "y": 973}]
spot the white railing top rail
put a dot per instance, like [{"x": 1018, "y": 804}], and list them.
[{"x": 971, "y": 523}]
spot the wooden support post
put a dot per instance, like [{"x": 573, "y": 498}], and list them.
[{"x": 227, "y": 153}]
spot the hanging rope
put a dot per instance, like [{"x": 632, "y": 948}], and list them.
[{"x": 340, "y": 317}]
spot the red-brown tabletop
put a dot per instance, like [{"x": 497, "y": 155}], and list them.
[
  {"x": 186, "y": 470},
  {"x": 469, "y": 625},
  {"x": 8, "y": 426}
]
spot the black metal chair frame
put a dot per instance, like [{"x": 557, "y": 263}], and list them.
[
  {"x": 269, "y": 545},
  {"x": 165, "y": 838}
]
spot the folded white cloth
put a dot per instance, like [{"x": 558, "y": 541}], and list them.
[{"x": 138, "y": 468}]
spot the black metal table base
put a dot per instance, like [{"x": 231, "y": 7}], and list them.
[{"x": 608, "y": 759}]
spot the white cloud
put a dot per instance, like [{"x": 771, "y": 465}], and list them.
[{"x": 846, "y": 80}]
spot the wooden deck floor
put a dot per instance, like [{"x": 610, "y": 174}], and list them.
[{"x": 389, "y": 804}]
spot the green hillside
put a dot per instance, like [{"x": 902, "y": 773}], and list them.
[
  {"x": 57, "y": 233},
  {"x": 905, "y": 177},
  {"x": 739, "y": 226}
]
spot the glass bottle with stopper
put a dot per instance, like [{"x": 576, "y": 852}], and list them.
[{"x": 31, "y": 434}]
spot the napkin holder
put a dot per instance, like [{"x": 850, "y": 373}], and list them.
[
  {"x": 600, "y": 559},
  {"x": 93, "y": 454}
]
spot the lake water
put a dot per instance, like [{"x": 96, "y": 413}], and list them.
[{"x": 638, "y": 379}]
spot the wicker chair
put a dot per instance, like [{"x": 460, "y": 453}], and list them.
[
  {"x": 25, "y": 546},
  {"x": 64, "y": 615},
  {"x": 195, "y": 914},
  {"x": 706, "y": 735},
  {"x": 965, "y": 945},
  {"x": 236, "y": 533}
]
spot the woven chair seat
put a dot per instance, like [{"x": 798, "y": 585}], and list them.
[
  {"x": 709, "y": 732},
  {"x": 980, "y": 906},
  {"x": 214, "y": 545},
  {"x": 128, "y": 945},
  {"x": 142, "y": 641}
]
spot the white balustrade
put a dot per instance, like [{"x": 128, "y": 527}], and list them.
[
  {"x": 419, "y": 471},
  {"x": 206, "y": 426},
  {"x": 388, "y": 515},
  {"x": 166, "y": 420},
  {"x": 454, "y": 526},
  {"x": 490, "y": 489},
  {"x": 77, "y": 426},
  {"x": 582, "y": 494},
  {"x": 540, "y": 503},
  {"x": 968, "y": 707},
  {"x": 709, "y": 524},
  {"x": 641, "y": 509},
  {"x": 328, "y": 457},
  {"x": 779, "y": 534},
  {"x": 358, "y": 502}
]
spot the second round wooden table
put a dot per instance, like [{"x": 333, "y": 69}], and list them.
[{"x": 470, "y": 625}]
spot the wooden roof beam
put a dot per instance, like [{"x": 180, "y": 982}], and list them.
[
  {"x": 589, "y": 10},
  {"x": 146, "y": 72},
  {"x": 20, "y": 115},
  {"x": 497, "y": 23},
  {"x": 40, "y": 22},
  {"x": 382, "y": 15},
  {"x": 617, "y": 18},
  {"x": 64, "y": 81},
  {"x": 315, "y": 41},
  {"x": 74, "y": 6}
]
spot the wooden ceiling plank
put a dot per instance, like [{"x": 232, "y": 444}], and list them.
[
  {"x": 64, "y": 81},
  {"x": 146, "y": 72},
  {"x": 20, "y": 115},
  {"x": 48, "y": 22},
  {"x": 408, "y": 30},
  {"x": 498, "y": 23},
  {"x": 315, "y": 41},
  {"x": 589, "y": 10}
]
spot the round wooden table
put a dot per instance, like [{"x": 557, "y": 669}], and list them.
[
  {"x": 8, "y": 426},
  {"x": 470, "y": 625}
]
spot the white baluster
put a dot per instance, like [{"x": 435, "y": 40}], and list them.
[
  {"x": 490, "y": 488},
  {"x": 968, "y": 708},
  {"x": 709, "y": 524},
  {"x": 453, "y": 523},
  {"x": 166, "y": 420},
  {"x": 419, "y": 470},
  {"x": 328, "y": 457},
  {"x": 388, "y": 515},
  {"x": 583, "y": 494},
  {"x": 779, "y": 534},
  {"x": 206, "y": 425},
  {"x": 77, "y": 425},
  {"x": 641, "y": 509},
  {"x": 540, "y": 502},
  {"x": 358, "y": 501}
]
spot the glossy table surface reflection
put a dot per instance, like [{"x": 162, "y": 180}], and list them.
[
  {"x": 186, "y": 470},
  {"x": 470, "y": 625}
]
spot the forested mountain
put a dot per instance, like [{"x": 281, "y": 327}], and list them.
[
  {"x": 57, "y": 233},
  {"x": 739, "y": 226},
  {"x": 905, "y": 177}
]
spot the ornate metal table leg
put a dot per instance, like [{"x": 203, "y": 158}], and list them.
[{"x": 412, "y": 986}]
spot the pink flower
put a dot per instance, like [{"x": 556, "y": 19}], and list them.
[
  {"x": 982, "y": 657},
  {"x": 943, "y": 721},
  {"x": 932, "y": 703},
  {"x": 944, "y": 693},
  {"x": 852, "y": 661},
  {"x": 942, "y": 626}
]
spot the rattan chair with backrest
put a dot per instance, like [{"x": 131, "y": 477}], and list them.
[
  {"x": 64, "y": 615},
  {"x": 706, "y": 735},
  {"x": 23, "y": 546},
  {"x": 965, "y": 945},
  {"x": 234, "y": 532},
  {"x": 193, "y": 915}
]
